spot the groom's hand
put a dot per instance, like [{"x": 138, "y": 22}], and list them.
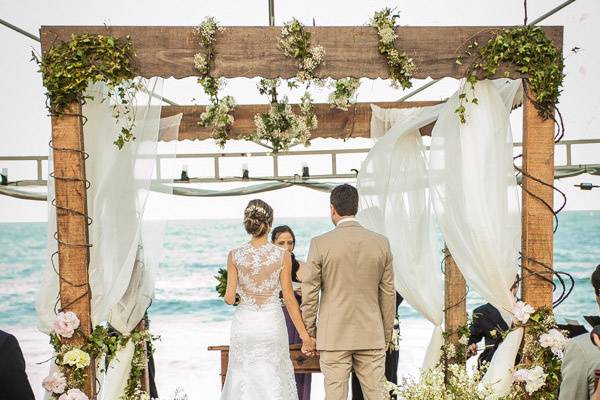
[{"x": 309, "y": 347}]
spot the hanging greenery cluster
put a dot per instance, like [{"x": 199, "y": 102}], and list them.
[
  {"x": 72, "y": 360},
  {"x": 532, "y": 54},
  {"x": 456, "y": 353},
  {"x": 68, "y": 68},
  {"x": 295, "y": 43},
  {"x": 344, "y": 93},
  {"x": 219, "y": 112},
  {"x": 281, "y": 126},
  {"x": 402, "y": 67}
]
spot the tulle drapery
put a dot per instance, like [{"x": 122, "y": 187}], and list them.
[
  {"x": 477, "y": 203},
  {"x": 470, "y": 180},
  {"x": 394, "y": 201},
  {"x": 125, "y": 247}
]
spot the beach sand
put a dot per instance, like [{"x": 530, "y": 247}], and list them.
[{"x": 183, "y": 361}]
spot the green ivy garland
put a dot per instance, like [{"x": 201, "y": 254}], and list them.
[
  {"x": 531, "y": 52},
  {"x": 69, "y": 67},
  {"x": 402, "y": 67},
  {"x": 456, "y": 353},
  {"x": 219, "y": 112}
]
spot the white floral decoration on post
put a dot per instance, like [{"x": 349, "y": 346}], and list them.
[
  {"x": 65, "y": 324},
  {"x": 555, "y": 340},
  {"x": 76, "y": 358},
  {"x": 73, "y": 394},
  {"x": 55, "y": 383},
  {"x": 522, "y": 311},
  {"x": 534, "y": 378}
]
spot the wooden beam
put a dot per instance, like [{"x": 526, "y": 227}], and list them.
[
  {"x": 537, "y": 218},
  {"x": 72, "y": 228},
  {"x": 252, "y": 51},
  {"x": 455, "y": 294},
  {"x": 333, "y": 123}
]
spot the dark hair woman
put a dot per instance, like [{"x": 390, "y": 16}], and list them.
[{"x": 283, "y": 236}]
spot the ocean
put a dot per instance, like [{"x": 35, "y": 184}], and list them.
[{"x": 187, "y": 311}]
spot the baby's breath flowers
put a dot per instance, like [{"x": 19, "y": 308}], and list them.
[
  {"x": 295, "y": 43},
  {"x": 219, "y": 112},
  {"x": 402, "y": 67},
  {"x": 280, "y": 126},
  {"x": 344, "y": 93}
]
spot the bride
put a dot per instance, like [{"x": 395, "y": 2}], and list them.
[{"x": 259, "y": 359}]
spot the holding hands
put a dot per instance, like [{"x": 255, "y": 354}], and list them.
[{"x": 309, "y": 346}]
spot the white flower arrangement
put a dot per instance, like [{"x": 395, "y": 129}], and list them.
[
  {"x": 73, "y": 394},
  {"x": 295, "y": 43},
  {"x": 344, "y": 94},
  {"x": 555, "y": 340},
  {"x": 76, "y": 358},
  {"x": 55, "y": 383},
  {"x": 65, "y": 324},
  {"x": 534, "y": 378},
  {"x": 522, "y": 311}
]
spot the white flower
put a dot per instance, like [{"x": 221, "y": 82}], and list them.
[
  {"x": 76, "y": 358},
  {"x": 387, "y": 35},
  {"x": 463, "y": 340},
  {"x": 73, "y": 394},
  {"x": 534, "y": 378},
  {"x": 55, "y": 383},
  {"x": 65, "y": 324},
  {"x": 555, "y": 340},
  {"x": 522, "y": 311}
]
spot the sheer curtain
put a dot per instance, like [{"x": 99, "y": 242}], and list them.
[
  {"x": 126, "y": 247},
  {"x": 394, "y": 201},
  {"x": 476, "y": 199}
]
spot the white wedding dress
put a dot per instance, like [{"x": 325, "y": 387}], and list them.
[{"x": 259, "y": 358}]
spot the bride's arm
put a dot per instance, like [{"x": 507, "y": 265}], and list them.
[
  {"x": 232, "y": 279},
  {"x": 290, "y": 300}
]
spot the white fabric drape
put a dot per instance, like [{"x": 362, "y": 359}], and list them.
[
  {"x": 476, "y": 199},
  {"x": 394, "y": 201},
  {"x": 125, "y": 247}
]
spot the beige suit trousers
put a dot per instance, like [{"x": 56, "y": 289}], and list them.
[{"x": 369, "y": 366}]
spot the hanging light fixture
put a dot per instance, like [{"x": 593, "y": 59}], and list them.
[
  {"x": 184, "y": 173},
  {"x": 4, "y": 176},
  {"x": 245, "y": 171}
]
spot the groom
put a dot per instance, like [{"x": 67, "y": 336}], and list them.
[{"x": 350, "y": 269}]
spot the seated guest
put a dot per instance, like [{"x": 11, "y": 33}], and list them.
[
  {"x": 488, "y": 324},
  {"x": 580, "y": 362},
  {"x": 14, "y": 384}
]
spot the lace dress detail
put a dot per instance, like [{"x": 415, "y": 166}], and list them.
[{"x": 259, "y": 359}]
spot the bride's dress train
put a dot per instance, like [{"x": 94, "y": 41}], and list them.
[{"x": 259, "y": 359}]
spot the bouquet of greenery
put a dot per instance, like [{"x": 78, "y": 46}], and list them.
[{"x": 221, "y": 287}]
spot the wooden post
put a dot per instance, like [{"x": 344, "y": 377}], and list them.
[
  {"x": 72, "y": 228},
  {"x": 145, "y": 378},
  {"x": 537, "y": 219},
  {"x": 455, "y": 290}
]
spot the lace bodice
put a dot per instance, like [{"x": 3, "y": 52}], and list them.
[{"x": 258, "y": 274}]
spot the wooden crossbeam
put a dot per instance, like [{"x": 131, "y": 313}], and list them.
[
  {"x": 333, "y": 123},
  {"x": 252, "y": 51}
]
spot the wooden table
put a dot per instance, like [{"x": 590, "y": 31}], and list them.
[{"x": 302, "y": 364}]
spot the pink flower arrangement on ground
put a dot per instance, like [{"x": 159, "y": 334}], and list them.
[
  {"x": 65, "y": 324},
  {"x": 55, "y": 383}
]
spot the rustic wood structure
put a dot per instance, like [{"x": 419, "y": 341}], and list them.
[
  {"x": 455, "y": 298},
  {"x": 252, "y": 52}
]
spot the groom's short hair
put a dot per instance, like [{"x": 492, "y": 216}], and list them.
[{"x": 344, "y": 199}]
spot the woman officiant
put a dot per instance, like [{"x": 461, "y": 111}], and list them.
[{"x": 284, "y": 237}]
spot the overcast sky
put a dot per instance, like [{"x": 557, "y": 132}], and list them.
[{"x": 25, "y": 128}]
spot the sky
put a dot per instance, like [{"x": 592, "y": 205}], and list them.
[{"x": 25, "y": 127}]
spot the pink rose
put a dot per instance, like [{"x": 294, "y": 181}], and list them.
[
  {"x": 65, "y": 324},
  {"x": 55, "y": 383},
  {"x": 73, "y": 394}
]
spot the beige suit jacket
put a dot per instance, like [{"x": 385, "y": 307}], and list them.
[
  {"x": 580, "y": 361},
  {"x": 349, "y": 286}
]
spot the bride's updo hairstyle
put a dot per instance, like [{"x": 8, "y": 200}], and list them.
[{"x": 258, "y": 217}]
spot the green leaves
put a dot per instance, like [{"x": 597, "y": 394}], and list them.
[
  {"x": 532, "y": 53},
  {"x": 69, "y": 67}
]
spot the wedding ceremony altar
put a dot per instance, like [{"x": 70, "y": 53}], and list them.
[{"x": 496, "y": 218}]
